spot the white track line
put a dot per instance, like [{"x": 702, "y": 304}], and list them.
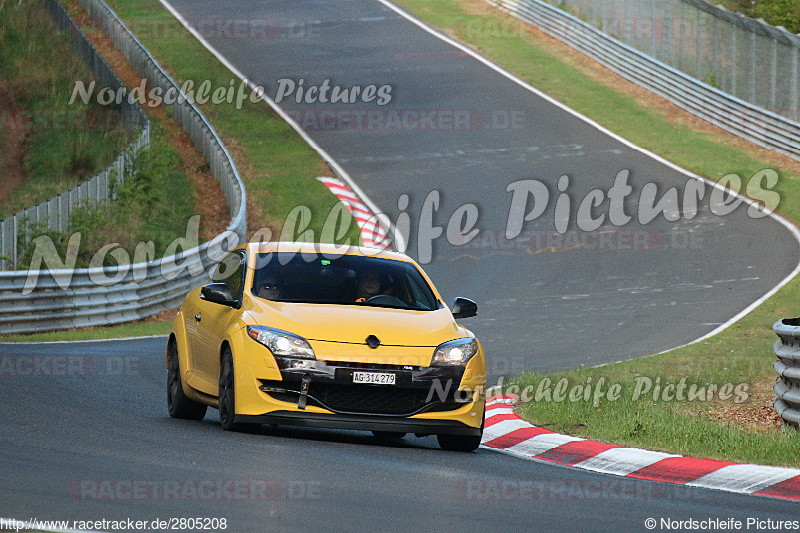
[
  {"x": 788, "y": 225},
  {"x": 142, "y": 337},
  {"x": 398, "y": 237},
  {"x": 341, "y": 172}
]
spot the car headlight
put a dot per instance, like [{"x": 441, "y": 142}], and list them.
[
  {"x": 281, "y": 342},
  {"x": 455, "y": 353}
]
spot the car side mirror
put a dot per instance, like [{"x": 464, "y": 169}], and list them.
[
  {"x": 218, "y": 293},
  {"x": 464, "y": 308}
]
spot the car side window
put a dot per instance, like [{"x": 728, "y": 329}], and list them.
[
  {"x": 230, "y": 271},
  {"x": 421, "y": 298}
]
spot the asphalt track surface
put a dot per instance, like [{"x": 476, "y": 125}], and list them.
[
  {"x": 540, "y": 307},
  {"x": 73, "y": 445},
  {"x": 69, "y": 438}
]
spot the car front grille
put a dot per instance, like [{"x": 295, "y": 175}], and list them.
[
  {"x": 366, "y": 399},
  {"x": 369, "y": 399}
]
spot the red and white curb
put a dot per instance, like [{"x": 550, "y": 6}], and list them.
[
  {"x": 372, "y": 232},
  {"x": 505, "y": 431}
]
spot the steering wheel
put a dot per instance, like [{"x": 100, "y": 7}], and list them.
[{"x": 386, "y": 299}]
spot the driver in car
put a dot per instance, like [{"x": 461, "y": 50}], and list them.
[{"x": 369, "y": 285}]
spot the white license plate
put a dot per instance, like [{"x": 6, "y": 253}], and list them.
[{"x": 375, "y": 378}]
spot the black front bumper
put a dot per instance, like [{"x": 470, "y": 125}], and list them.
[
  {"x": 330, "y": 385},
  {"x": 418, "y": 426}
]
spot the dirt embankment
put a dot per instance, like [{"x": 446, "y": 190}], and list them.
[
  {"x": 210, "y": 203},
  {"x": 14, "y": 142}
]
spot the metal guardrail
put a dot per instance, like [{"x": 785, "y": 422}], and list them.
[
  {"x": 763, "y": 127},
  {"x": 56, "y": 212},
  {"x": 146, "y": 288},
  {"x": 787, "y": 387},
  {"x": 738, "y": 55},
  {"x": 193, "y": 122},
  {"x": 86, "y": 303}
]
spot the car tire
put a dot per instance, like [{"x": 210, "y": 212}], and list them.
[
  {"x": 388, "y": 435},
  {"x": 178, "y": 404},
  {"x": 227, "y": 396},
  {"x": 461, "y": 443}
]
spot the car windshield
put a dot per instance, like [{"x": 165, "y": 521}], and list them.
[{"x": 343, "y": 280}]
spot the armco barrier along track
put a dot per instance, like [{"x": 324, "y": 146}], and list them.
[
  {"x": 145, "y": 289},
  {"x": 746, "y": 120},
  {"x": 787, "y": 386},
  {"x": 56, "y": 212}
]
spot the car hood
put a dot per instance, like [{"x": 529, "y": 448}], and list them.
[{"x": 352, "y": 324}]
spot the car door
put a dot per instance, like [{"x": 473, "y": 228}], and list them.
[{"x": 212, "y": 321}]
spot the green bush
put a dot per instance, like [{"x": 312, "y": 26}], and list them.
[
  {"x": 65, "y": 144},
  {"x": 153, "y": 203},
  {"x": 784, "y": 13}
]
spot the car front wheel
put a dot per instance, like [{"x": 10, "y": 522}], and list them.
[
  {"x": 227, "y": 396},
  {"x": 461, "y": 443}
]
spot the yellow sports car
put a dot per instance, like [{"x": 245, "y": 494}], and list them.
[{"x": 317, "y": 335}]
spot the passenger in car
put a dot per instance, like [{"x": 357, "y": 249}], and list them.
[{"x": 271, "y": 288}]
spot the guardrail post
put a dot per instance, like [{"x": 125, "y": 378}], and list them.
[
  {"x": 15, "y": 242},
  {"x": 793, "y": 99},
  {"x": 715, "y": 68},
  {"x": 681, "y": 35},
  {"x": 753, "y": 67},
  {"x": 653, "y": 31},
  {"x": 698, "y": 54},
  {"x": 2, "y": 245},
  {"x": 787, "y": 386},
  {"x": 734, "y": 55},
  {"x": 666, "y": 40},
  {"x": 773, "y": 78}
]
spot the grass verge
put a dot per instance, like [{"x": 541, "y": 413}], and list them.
[
  {"x": 732, "y": 419},
  {"x": 154, "y": 204},
  {"x": 278, "y": 168},
  {"x": 133, "y": 329},
  {"x": 156, "y": 201},
  {"x": 64, "y": 144}
]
